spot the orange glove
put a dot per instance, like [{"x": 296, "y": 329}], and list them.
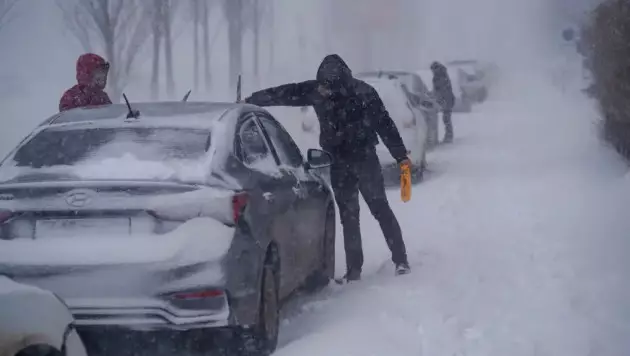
[{"x": 405, "y": 180}]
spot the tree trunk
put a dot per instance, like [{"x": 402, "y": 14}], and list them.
[
  {"x": 113, "y": 80},
  {"x": 235, "y": 39},
  {"x": 167, "y": 17},
  {"x": 272, "y": 34},
  {"x": 155, "y": 70},
  {"x": 195, "y": 9},
  {"x": 257, "y": 14},
  {"x": 206, "y": 44}
]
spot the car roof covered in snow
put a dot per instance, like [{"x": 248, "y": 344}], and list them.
[
  {"x": 385, "y": 73},
  {"x": 187, "y": 114}
]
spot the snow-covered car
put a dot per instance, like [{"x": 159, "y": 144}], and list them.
[
  {"x": 409, "y": 120},
  {"x": 474, "y": 78},
  {"x": 190, "y": 216},
  {"x": 35, "y": 322},
  {"x": 419, "y": 96}
]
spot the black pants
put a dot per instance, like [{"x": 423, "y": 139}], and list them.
[
  {"x": 364, "y": 174},
  {"x": 448, "y": 124}
]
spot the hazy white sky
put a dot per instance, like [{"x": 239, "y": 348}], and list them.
[{"x": 38, "y": 53}]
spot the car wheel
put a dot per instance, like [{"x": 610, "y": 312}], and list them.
[
  {"x": 326, "y": 271},
  {"x": 39, "y": 350},
  {"x": 262, "y": 338}
]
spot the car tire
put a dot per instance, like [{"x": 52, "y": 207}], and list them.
[
  {"x": 39, "y": 350},
  {"x": 326, "y": 271},
  {"x": 262, "y": 338}
]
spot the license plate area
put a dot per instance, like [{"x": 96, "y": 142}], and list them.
[{"x": 82, "y": 227}]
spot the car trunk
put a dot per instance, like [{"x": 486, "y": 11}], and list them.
[{"x": 95, "y": 237}]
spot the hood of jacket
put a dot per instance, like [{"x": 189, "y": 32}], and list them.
[
  {"x": 334, "y": 72},
  {"x": 87, "y": 66},
  {"x": 438, "y": 67}
]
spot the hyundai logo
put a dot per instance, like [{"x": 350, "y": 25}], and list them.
[{"x": 79, "y": 199}]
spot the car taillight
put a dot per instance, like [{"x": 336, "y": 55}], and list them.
[
  {"x": 212, "y": 293},
  {"x": 5, "y": 215},
  {"x": 239, "y": 202}
]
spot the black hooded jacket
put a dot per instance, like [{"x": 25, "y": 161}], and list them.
[
  {"x": 350, "y": 120},
  {"x": 442, "y": 86}
]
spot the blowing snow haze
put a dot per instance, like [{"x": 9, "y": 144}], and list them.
[{"x": 515, "y": 237}]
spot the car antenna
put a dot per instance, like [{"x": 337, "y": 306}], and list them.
[
  {"x": 238, "y": 89},
  {"x": 185, "y": 99},
  {"x": 132, "y": 114}
]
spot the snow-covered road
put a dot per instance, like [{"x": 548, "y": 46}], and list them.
[{"x": 519, "y": 244}]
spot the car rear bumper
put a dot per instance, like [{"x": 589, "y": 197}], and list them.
[{"x": 148, "y": 314}]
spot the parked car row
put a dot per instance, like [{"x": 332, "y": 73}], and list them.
[{"x": 183, "y": 219}]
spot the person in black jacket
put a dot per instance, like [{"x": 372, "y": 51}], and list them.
[
  {"x": 444, "y": 92},
  {"x": 351, "y": 116}
]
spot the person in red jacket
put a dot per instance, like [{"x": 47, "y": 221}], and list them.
[{"x": 89, "y": 91}]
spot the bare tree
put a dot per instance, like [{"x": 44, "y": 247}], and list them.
[
  {"x": 271, "y": 33},
  {"x": 170, "y": 11},
  {"x": 6, "y": 6},
  {"x": 206, "y": 43},
  {"x": 157, "y": 32},
  {"x": 234, "y": 14},
  {"x": 163, "y": 15},
  {"x": 119, "y": 28},
  {"x": 195, "y": 7},
  {"x": 257, "y": 13}
]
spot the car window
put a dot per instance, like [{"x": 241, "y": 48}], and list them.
[
  {"x": 254, "y": 149},
  {"x": 288, "y": 152},
  {"x": 103, "y": 153}
]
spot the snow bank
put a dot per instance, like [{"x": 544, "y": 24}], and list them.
[
  {"x": 200, "y": 239},
  {"x": 517, "y": 240}
]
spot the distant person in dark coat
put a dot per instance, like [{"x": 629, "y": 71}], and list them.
[
  {"x": 444, "y": 92},
  {"x": 351, "y": 116},
  {"x": 92, "y": 72}
]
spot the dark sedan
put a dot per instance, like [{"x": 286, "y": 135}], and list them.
[{"x": 191, "y": 217}]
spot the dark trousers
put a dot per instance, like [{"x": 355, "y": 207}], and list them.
[
  {"x": 364, "y": 174},
  {"x": 448, "y": 124}
]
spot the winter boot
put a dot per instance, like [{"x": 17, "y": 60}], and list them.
[
  {"x": 402, "y": 268},
  {"x": 448, "y": 128},
  {"x": 448, "y": 135},
  {"x": 350, "y": 276}
]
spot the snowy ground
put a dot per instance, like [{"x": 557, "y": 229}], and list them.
[{"x": 518, "y": 243}]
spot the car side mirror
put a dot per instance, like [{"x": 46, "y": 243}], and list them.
[{"x": 316, "y": 159}]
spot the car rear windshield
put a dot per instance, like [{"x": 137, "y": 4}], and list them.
[{"x": 114, "y": 150}]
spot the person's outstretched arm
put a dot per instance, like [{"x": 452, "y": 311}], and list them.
[
  {"x": 385, "y": 127},
  {"x": 293, "y": 94}
]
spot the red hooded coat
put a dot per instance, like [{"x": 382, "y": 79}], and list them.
[{"x": 90, "y": 90}]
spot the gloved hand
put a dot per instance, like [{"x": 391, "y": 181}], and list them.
[{"x": 405, "y": 161}]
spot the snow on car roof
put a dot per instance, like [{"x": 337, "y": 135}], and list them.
[
  {"x": 8, "y": 286},
  {"x": 179, "y": 113}
]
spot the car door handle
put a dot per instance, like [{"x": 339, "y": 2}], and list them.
[{"x": 269, "y": 197}]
